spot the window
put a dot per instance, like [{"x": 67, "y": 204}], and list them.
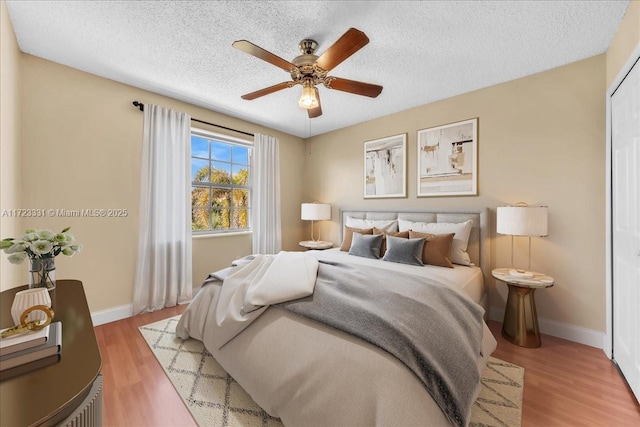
[{"x": 220, "y": 186}]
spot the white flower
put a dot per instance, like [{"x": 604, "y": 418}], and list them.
[
  {"x": 16, "y": 247},
  {"x": 60, "y": 238},
  {"x": 41, "y": 247},
  {"x": 45, "y": 234},
  {"x": 30, "y": 237},
  {"x": 68, "y": 252},
  {"x": 17, "y": 257}
]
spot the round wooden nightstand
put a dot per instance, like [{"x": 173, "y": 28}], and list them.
[
  {"x": 520, "y": 324},
  {"x": 316, "y": 244}
]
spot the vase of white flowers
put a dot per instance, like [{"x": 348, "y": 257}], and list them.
[{"x": 41, "y": 247}]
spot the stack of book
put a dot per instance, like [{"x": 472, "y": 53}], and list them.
[{"x": 31, "y": 350}]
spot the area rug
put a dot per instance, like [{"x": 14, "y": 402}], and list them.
[{"x": 214, "y": 398}]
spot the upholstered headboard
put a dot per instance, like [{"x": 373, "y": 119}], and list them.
[{"x": 479, "y": 242}]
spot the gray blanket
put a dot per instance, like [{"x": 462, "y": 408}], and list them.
[{"x": 434, "y": 330}]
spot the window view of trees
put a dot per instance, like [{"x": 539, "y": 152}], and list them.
[{"x": 220, "y": 194}]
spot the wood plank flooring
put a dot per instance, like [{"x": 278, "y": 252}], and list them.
[
  {"x": 136, "y": 390},
  {"x": 569, "y": 384},
  {"x": 566, "y": 384}
]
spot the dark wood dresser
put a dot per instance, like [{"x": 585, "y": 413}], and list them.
[{"x": 68, "y": 392}]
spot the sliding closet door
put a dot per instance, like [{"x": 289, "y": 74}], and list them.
[{"x": 625, "y": 204}]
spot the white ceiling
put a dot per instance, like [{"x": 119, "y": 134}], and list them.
[{"x": 420, "y": 51}]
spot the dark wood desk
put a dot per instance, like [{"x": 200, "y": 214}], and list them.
[{"x": 49, "y": 395}]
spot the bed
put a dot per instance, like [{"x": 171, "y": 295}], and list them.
[{"x": 308, "y": 373}]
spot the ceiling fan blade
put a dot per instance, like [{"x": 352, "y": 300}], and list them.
[
  {"x": 350, "y": 42},
  {"x": 316, "y": 112},
  {"x": 266, "y": 91},
  {"x": 265, "y": 55},
  {"x": 352, "y": 86}
]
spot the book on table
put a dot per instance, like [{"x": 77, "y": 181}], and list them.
[
  {"x": 24, "y": 341},
  {"x": 51, "y": 347},
  {"x": 29, "y": 367}
]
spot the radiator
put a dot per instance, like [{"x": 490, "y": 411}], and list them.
[{"x": 89, "y": 412}]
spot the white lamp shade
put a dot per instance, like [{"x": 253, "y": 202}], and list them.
[
  {"x": 316, "y": 211},
  {"x": 522, "y": 220}
]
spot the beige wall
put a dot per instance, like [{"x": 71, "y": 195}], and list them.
[
  {"x": 71, "y": 140},
  {"x": 9, "y": 143},
  {"x": 541, "y": 141},
  {"x": 81, "y": 149},
  {"x": 626, "y": 39}
]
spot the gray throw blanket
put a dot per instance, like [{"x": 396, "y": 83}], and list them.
[{"x": 432, "y": 329}]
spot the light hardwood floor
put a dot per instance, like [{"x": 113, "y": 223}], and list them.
[{"x": 566, "y": 384}]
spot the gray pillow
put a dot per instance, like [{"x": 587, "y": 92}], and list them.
[
  {"x": 405, "y": 251},
  {"x": 366, "y": 245}
]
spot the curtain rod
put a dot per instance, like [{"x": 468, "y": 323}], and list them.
[{"x": 140, "y": 105}]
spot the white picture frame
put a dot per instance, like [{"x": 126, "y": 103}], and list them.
[
  {"x": 385, "y": 167},
  {"x": 447, "y": 158}
]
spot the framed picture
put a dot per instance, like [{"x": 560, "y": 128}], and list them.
[
  {"x": 385, "y": 163},
  {"x": 448, "y": 160}
]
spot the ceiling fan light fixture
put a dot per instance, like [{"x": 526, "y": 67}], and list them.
[
  {"x": 308, "y": 99},
  {"x": 310, "y": 70}
]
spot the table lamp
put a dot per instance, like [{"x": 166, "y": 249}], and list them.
[
  {"x": 522, "y": 220},
  {"x": 315, "y": 212}
]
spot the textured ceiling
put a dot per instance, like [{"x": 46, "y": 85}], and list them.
[{"x": 419, "y": 51}]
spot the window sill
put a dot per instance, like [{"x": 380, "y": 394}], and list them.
[{"x": 216, "y": 235}]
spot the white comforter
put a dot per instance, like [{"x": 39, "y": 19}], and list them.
[
  {"x": 304, "y": 372},
  {"x": 261, "y": 282}
]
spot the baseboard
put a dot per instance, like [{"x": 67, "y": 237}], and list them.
[
  {"x": 111, "y": 314},
  {"x": 118, "y": 313},
  {"x": 560, "y": 329}
]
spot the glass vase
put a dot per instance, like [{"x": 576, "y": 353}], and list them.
[{"x": 42, "y": 273}]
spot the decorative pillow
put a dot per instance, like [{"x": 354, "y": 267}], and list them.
[
  {"x": 437, "y": 248},
  {"x": 405, "y": 251},
  {"x": 366, "y": 245},
  {"x": 383, "y": 224},
  {"x": 348, "y": 235},
  {"x": 383, "y": 248},
  {"x": 461, "y": 230},
  {"x": 405, "y": 224}
]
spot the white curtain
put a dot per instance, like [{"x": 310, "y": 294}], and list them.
[
  {"x": 265, "y": 218},
  {"x": 163, "y": 272}
]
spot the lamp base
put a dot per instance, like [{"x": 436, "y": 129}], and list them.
[{"x": 520, "y": 273}]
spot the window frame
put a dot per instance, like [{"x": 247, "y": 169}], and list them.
[{"x": 232, "y": 141}]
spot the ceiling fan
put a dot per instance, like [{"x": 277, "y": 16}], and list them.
[{"x": 310, "y": 70}]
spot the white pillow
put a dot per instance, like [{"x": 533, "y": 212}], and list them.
[
  {"x": 462, "y": 232},
  {"x": 405, "y": 225},
  {"x": 382, "y": 224}
]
